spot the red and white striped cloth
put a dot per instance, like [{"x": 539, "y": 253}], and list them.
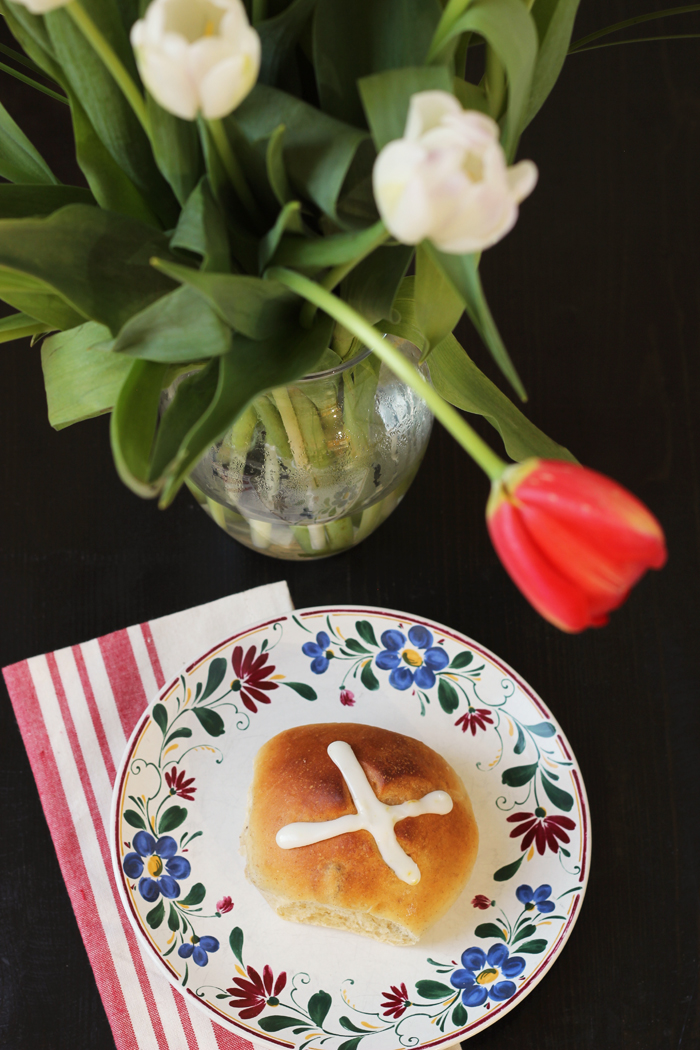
[{"x": 76, "y": 709}]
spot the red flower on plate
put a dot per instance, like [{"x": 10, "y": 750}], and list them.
[
  {"x": 251, "y": 997},
  {"x": 475, "y": 720},
  {"x": 251, "y": 672},
  {"x": 224, "y": 906},
  {"x": 544, "y": 831},
  {"x": 574, "y": 541},
  {"x": 481, "y": 901},
  {"x": 396, "y": 1001},
  {"x": 347, "y": 698},
  {"x": 179, "y": 786}
]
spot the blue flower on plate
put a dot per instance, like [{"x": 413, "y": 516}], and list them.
[
  {"x": 421, "y": 659},
  {"x": 319, "y": 652},
  {"x": 480, "y": 977},
  {"x": 159, "y": 862},
  {"x": 538, "y": 898},
  {"x": 198, "y": 949}
]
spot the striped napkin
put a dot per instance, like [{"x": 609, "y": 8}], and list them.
[{"x": 76, "y": 708}]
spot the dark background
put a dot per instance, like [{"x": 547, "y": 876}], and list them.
[{"x": 597, "y": 293}]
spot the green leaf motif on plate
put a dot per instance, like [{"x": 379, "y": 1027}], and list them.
[
  {"x": 508, "y": 870},
  {"x": 195, "y": 896},
  {"x": 533, "y": 947},
  {"x": 462, "y": 660},
  {"x": 134, "y": 818},
  {"x": 560, "y": 798},
  {"x": 173, "y": 919},
  {"x": 349, "y": 1026},
  {"x": 184, "y": 732},
  {"x": 433, "y": 989},
  {"x": 520, "y": 743},
  {"x": 350, "y": 1044},
  {"x": 160, "y": 717},
  {"x": 527, "y": 931},
  {"x": 448, "y": 696},
  {"x": 155, "y": 916},
  {"x": 171, "y": 819},
  {"x": 217, "y": 670},
  {"x": 489, "y": 929},
  {"x": 210, "y": 720},
  {"x": 236, "y": 942},
  {"x": 517, "y": 776},
  {"x": 303, "y": 690},
  {"x": 354, "y": 646},
  {"x": 543, "y": 729},
  {"x": 275, "y": 1024},
  {"x": 459, "y": 1016},
  {"x": 319, "y": 1005},
  {"x": 368, "y": 677},
  {"x": 366, "y": 632}
]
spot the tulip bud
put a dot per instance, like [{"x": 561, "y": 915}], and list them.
[
  {"x": 197, "y": 55},
  {"x": 447, "y": 179},
  {"x": 574, "y": 541},
  {"x": 40, "y": 7}
]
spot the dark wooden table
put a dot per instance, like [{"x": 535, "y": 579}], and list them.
[{"x": 596, "y": 291}]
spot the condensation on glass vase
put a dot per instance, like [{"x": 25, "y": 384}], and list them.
[{"x": 311, "y": 469}]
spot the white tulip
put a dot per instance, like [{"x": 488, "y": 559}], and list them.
[
  {"x": 447, "y": 179},
  {"x": 40, "y": 7},
  {"x": 197, "y": 55}
]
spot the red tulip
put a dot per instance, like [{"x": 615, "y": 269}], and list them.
[{"x": 574, "y": 541}]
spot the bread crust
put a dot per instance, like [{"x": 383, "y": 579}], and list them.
[{"x": 329, "y": 883}]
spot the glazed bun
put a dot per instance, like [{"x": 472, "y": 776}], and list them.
[{"x": 344, "y": 882}]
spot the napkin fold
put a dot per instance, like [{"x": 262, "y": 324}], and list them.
[{"x": 76, "y": 709}]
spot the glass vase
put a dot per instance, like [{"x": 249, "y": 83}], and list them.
[{"x": 311, "y": 469}]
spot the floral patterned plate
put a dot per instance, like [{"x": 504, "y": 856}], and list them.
[{"x": 179, "y": 809}]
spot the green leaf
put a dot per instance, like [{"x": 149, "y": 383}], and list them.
[
  {"x": 359, "y": 37},
  {"x": 173, "y": 817},
  {"x": 368, "y": 677},
  {"x": 327, "y": 251},
  {"x": 354, "y": 646},
  {"x": 160, "y": 717},
  {"x": 249, "y": 369},
  {"x": 555, "y": 22},
  {"x": 438, "y": 306},
  {"x": 215, "y": 676},
  {"x": 459, "y": 1016},
  {"x": 192, "y": 398},
  {"x": 508, "y": 870},
  {"x": 276, "y": 1023},
  {"x": 303, "y": 690},
  {"x": 470, "y": 96},
  {"x": 461, "y": 660},
  {"x": 177, "y": 328},
  {"x": 133, "y": 425},
  {"x": 533, "y": 947},
  {"x": 372, "y": 286},
  {"x": 516, "y": 776},
  {"x": 347, "y": 1024},
  {"x": 386, "y": 97},
  {"x": 279, "y": 36},
  {"x": 134, "y": 818},
  {"x": 288, "y": 218},
  {"x": 489, "y": 929},
  {"x": 236, "y": 942},
  {"x": 520, "y": 742},
  {"x": 19, "y": 160},
  {"x": 448, "y": 696},
  {"x": 545, "y": 729},
  {"x": 155, "y": 916},
  {"x": 201, "y": 228},
  {"x": 433, "y": 989},
  {"x": 173, "y": 919},
  {"x": 211, "y": 721},
  {"x": 176, "y": 149},
  {"x": 366, "y": 632},
  {"x": 20, "y": 325},
  {"x": 526, "y": 931},
  {"x": 274, "y": 166},
  {"x": 81, "y": 382},
  {"x": 37, "y": 298},
  {"x": 178, "y": 734},
  {"x": 459, "y": 381},
  {"x": 23, "y": 202},
  {"x": 319, "y": 1005},
  {"x": 556, "y": 795},
  {"x": 195, "y": 896}
]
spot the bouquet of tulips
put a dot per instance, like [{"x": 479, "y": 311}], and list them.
[{"x": 261, "y": 176}]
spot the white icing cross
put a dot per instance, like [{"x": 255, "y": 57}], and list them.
[{"x": 372, "y": 815}]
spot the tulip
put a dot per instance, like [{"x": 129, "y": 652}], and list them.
[
  {"x": 197, "y": 56},
  {"x": 447, "y": 179},
  {"x": 574, "y": 541},
  {"x": 40, "y": 7}
]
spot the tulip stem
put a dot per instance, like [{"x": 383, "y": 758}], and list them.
[
  {"x": 112, "y": 61},
  {"x": 481, "y": 453},
  {"x": 233, "y": 168},
  {"x": 336, "y": 275}
]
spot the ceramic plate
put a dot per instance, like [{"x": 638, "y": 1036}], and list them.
[{"x": 179, "y": 809}]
